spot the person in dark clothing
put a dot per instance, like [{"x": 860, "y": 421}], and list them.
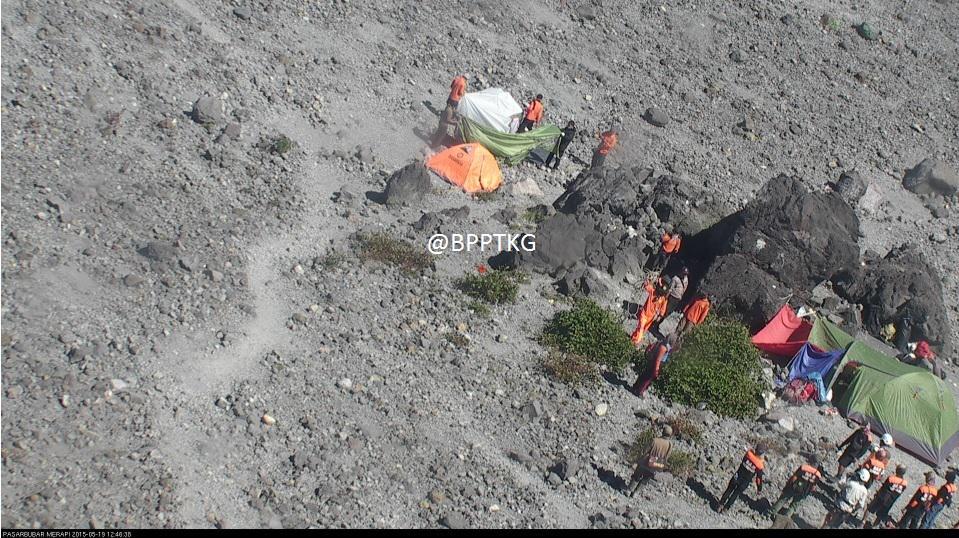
[
  {"x": 560, "y": 148},
  {"x": 856, "y": 446},
  {"x": 886, "y": 497},
  {"x": 751, "y": 469},
  {"x": 798, "y": 487},
  {"x": 904, "y": 335}
]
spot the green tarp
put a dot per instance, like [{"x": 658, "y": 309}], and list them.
[
  {"x": 511, "y": 147},
  {"x": 910, "y": 403},
  {"x": 827, "y": 336}
]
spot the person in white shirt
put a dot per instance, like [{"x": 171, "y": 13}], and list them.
[{"x": 851, "y": 503}]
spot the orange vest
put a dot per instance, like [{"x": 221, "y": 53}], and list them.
[
  {"x": 753, "y": 463},
  {"x": 697, "y": 310},
  {"x": 534, "y": 112},
  {"x": 809, "y": 473},
  {"x": 608, "y": 142},
  {"x": 896, "y": 484},
  {"x": 457, "y": 89},
  {"x": 875, "y": 466},
  {"x": 950, "y": 491},
  {"x": 923, "y": 495},
  {"x": 671, "y": 243}
]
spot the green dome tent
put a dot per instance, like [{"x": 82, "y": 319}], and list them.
[{"x": 910, "y": 403}]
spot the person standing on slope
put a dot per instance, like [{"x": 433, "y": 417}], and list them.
[
  {"x": 607, "y": 141},
  {"x": 750, "y": 470},
  {"x": 533, "y": 114}
]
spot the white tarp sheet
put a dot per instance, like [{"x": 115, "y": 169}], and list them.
[{"x": 493, "y": 107}]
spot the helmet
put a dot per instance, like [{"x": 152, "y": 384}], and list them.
[
  {"x": 887, "y": 439},
  {"x": 900, "y": 470},
  {"x": 761, "y": 448},
  {"x": 863, "y": 475}
]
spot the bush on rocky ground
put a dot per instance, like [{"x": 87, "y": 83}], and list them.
[
  {"x": 494, "y": 287},
  {"x": 480, "y": 309},
  {"x": 684, "y": 429},
  {"x": 458, "y": 340},
  {"x": 384, "y": 248},
  {"x": 718, "y": 365},
  {"x": 592, "y": 331},
  {"x": 569, "y": 368}
]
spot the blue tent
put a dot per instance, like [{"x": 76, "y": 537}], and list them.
[{"x": 809, "y": 360}]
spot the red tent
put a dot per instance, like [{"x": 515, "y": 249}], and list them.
[{"x": 784, "y": 335}]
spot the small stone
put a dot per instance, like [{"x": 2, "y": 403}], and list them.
[
  {"x": 602, "y": 409},
  {"x": 345, "y": 383},
  {"x": 298, "y": 269},
  {"x": 65, "y": 400},
  {"x": 243, "y": 13},
  {"x": 299, "y": 317},
  {"x": 656, "y": 116},
  {"x": 437, "y": 496},
  {"x": 132, "y": 280},
  {"x": 268, "y": 420},
  {"x": 118, "y": 385}
]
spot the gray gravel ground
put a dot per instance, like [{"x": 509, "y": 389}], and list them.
[{"x": 168, "y": 284}]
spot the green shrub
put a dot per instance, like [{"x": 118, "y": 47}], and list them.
[
  {"x": 384, "y": 248},
  {"x": 332, "y": 260},
  {"x": 494, "y": 287},
  {"x": 591, "y": 331},
  {"x": 683, "y": 428},
  {"x": 717, "y": 364},
  {"x": 569, "y": 368},
  {"x": 680, "y": 463},
  {"x": 640, "y": 446},
  {"x": 479, "y": 308},
  {"x": 282, "y": 144}
]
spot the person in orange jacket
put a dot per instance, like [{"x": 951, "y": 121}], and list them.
[
  {"x": 750, "y": 470},
  {"x": 533, "y": 114},
  {"x": 941, "y": 501},
  {"x": 876, "y": 465},
  {"x": 802, "y": 482},
  {"x": 694, "y": 314},
  {"x": 669, "y": 246},
  {"x": 886, "y": 497},
  {"x": 607, "y": 141},
  {"x": 919, "y": 503},
  {"x": 653, "y": 309},
  {"x": 448, "y": 116}
]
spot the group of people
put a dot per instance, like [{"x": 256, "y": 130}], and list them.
[
  {"x": 532, "y": 117},
  {"x": 662, "y": 299},
  {"x": 852, "y": 503}
]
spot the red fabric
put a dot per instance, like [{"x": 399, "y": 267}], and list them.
[
  {"x": 923, "y": 351},
  {"x": 784, "y": 335}
]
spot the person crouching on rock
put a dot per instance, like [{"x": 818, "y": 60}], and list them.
[
  {"x": 694, "y": 314},
  {"x": 850, "y": 503},
  {"x": 651, "y": 462},
  {"x": 750, "y": 470}
]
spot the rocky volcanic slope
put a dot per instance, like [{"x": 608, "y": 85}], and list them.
[{"x": 167, "y": 275}]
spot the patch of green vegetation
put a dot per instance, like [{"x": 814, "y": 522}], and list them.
[
  {"x": 717, "y": 364},
  {"x": 385, "y": 248},
  {"x": 683, "y": 428},
  {"x": 569, "y": 368},
  {"x": 486, "y": 196},
  {"x": 534, "y": 215},
  {"x": 592, "y": 331},
  {"x": 480, "y": 309},
  {"x": 493, "y": 287},
  {"x": 680, "y": 463},
  {"x": 831, "y": 22},
  {"x": 282, "y": 144},
  {"x": 332, "y": 260}
]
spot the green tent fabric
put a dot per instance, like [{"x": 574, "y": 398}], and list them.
[
  {"x": 911, "y": 404},
  {"x": 827, "y": 336},
  {"x": 875, "y": 360},
  {"x": 511, "y": 147}
]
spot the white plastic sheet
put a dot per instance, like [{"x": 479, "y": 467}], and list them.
[{"x": 493, "y": 107}]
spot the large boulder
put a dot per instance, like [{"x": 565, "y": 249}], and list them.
[
  {"x": 799, "y": 237},
  {"x": 931, "y": 176},
  {"x": 407, "y": 185},
  {"x": 743, "y": 290},
  {"x": 901, "y": 284}
]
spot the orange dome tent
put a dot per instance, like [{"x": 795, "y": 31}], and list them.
[{"x": 468, "y": 166}]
